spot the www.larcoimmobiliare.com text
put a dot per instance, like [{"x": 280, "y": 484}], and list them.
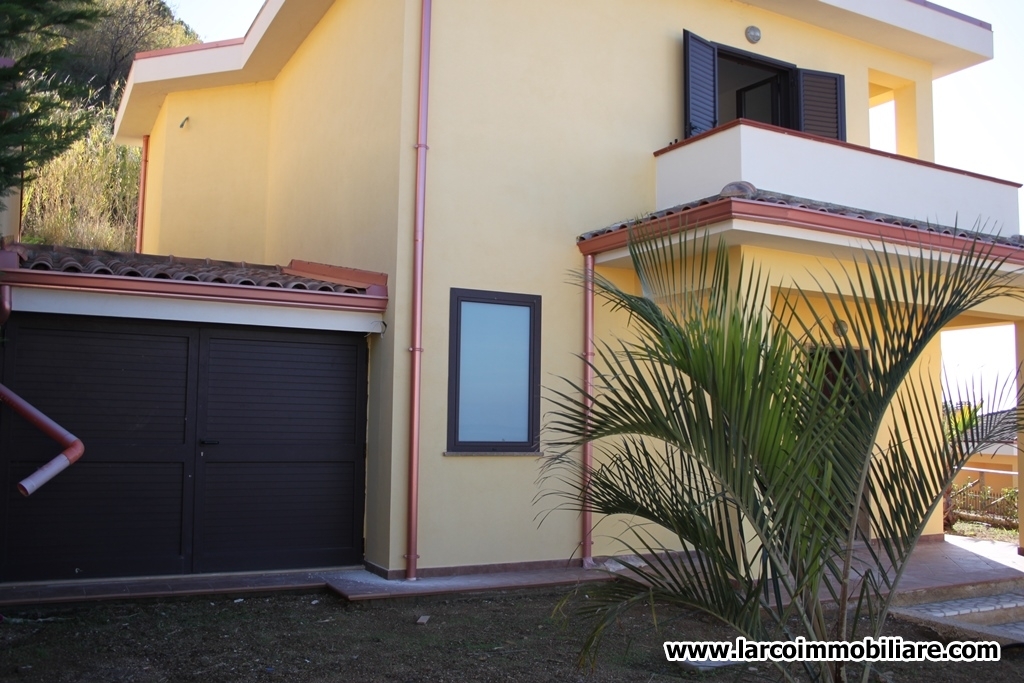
[{"x": 884, "y": 649}]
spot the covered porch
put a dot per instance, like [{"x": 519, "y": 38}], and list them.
[{"x": 804, "y": 209}]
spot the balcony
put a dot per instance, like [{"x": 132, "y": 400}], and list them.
[{"x": 820, "y": 170}]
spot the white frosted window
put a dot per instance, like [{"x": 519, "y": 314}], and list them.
[{"x": 494, "y": 373}]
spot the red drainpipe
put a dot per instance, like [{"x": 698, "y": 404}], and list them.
[
  {"x": 6, "y": 303},
  {"x": 412, "y": 554},
  {"x": 73, "y": 446},
  {"x": 588, "y": 386},
  {"x": 21, "y": 205},
  {"x": 140, "y": 220}
]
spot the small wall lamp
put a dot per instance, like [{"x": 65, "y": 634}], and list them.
[{"x": 753, "y": 34}]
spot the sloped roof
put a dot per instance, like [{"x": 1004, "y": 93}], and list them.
[
  {"x": 806, "y": 225},
  {"x": 743, "y": 190},
  {"x": 299, "y": 283},
  {"x": 1002, "y": 424}
]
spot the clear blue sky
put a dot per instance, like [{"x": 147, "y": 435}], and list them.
[{"x": 977, "y": 128}]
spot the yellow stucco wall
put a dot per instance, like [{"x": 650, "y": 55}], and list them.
[
  {"x": 997, "y": 471},
  {"x": 208, "y": 174},
  {"x": 337, "y": 151},
  {"x": 785, "y": 271},
  {"x": 155, "y": 190},
  {"x": 534, "y": 140},
  {"x": 544, "y": 117},
  {"x": 313, "y": 165}
]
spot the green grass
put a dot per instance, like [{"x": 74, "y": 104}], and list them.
[{"x": 985, "y": 532}]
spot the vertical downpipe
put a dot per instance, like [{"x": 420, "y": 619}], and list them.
[
  {"x": 412, "y": 554},
  {"x": 140, "y": 220},
  {"x": 6, "y": 303},
  {"x": 21, "y": 206},
  {"x": 588, "y": 387}
]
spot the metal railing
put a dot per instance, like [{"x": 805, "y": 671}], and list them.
[{"x": 973, "y": 502}]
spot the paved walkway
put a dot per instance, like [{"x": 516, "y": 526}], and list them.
[
  {"x": 956, "y": 562},
  {"x": 961, "y": 561}
]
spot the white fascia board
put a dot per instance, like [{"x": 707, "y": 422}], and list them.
[
  {"x": 792, "y": 239},
  {"x": 151, "y": 79},
  {"x": 65, "y": 302},
  {"x": 948, "y": 40}
]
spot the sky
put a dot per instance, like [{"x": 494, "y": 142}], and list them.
[
  {"x": 977, "y": 128},
  {"x": 217, "y": 19}
]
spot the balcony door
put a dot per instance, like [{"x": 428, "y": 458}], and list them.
[{"x": 724, "y": 84}]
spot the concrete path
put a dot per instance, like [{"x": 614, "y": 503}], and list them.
[{"x": 934, "y": 567}]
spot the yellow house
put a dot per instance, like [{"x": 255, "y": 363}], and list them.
[{"x": 477, "y": 152}]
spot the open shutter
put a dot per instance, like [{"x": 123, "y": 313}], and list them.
[
  {"x": 700, "y": 92},
  {"x": 821, "y": 103}
]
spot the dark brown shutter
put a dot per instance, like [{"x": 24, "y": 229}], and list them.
[
  {"x": 207, "y": 448},
  {"x": 700, "y": 92},
  {"x": 282, "y": 424},
  {"x": 126, "y": 389},
  {"x": 821, "y": 103}
]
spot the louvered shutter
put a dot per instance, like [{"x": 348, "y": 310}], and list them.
[
  {"x": 821, "y": 103},
  {"x": 700, "y": 92}
]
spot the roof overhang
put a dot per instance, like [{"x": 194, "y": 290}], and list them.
[
  {"x": 818, "y": 236},
  {"x": 152, "y": 306},
  {"x": 791, "y": 228},
  {"x": 275, "y": 35},
  {"x": 950, "y": 41},
  {"x": 121, "y": 296}
]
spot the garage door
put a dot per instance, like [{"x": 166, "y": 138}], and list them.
[{"x": 208, "y": 448}]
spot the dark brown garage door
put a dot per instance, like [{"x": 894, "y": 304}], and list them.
[{"x": 208, "y": 448}]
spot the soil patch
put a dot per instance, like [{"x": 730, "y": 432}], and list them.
[{"x": 508, "y": 636}]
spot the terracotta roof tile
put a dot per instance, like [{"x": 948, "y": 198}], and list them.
[
  {"x": 296, "y": 276},
  {"x": 746, "y": 191}
]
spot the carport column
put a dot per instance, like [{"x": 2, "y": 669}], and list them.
[{"x": 1018, "y": 328}]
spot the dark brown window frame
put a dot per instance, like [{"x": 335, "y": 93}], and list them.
[{"x": 531, "y": 301}]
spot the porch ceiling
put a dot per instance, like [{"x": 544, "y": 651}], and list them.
[{"x": 950, "y": 41}]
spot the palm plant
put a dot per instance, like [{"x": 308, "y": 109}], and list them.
[{"x": 792, "y": 471}]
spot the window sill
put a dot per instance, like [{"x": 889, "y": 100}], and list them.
[{"x": 504, "y": 454}]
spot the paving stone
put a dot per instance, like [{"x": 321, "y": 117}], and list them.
[
  {"x": 1015, "y": 629},
  {"x": 954, "y": 608}
]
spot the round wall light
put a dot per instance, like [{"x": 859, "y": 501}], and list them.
[{"x": 753, "y": 34}]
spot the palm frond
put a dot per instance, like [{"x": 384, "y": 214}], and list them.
[{"x": 737, "y": 419}]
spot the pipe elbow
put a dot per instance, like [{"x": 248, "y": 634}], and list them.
[{"x": 74, "y": 451}]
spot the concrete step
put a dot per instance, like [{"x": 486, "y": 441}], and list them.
[{"x": 991, "y": 611}]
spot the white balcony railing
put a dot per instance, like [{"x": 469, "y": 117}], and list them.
[{"x": 819, "y": 170}]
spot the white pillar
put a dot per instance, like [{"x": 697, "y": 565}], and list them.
[{"x": 1018, "y": 328}]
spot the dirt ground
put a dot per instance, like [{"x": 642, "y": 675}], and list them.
[{"x": 512, "y": 636}]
